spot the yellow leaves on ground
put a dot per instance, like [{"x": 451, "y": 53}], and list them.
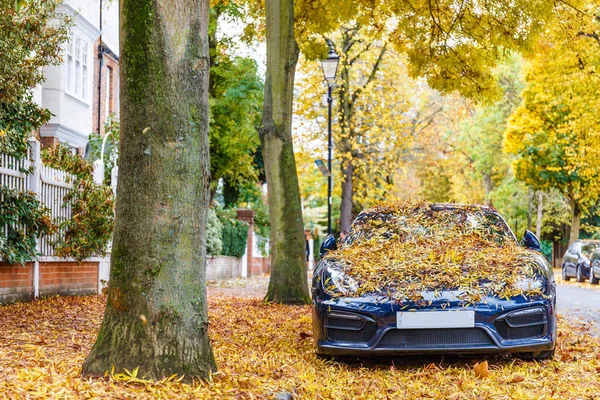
[{"x": 265, "y": 349}]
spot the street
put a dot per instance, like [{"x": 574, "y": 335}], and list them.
[{"x": 580, "y": 305}]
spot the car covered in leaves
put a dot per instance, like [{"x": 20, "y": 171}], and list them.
[{"x": 433, "y": 278}]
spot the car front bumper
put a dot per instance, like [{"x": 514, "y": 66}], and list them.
[{"x": 379, "y": 334}]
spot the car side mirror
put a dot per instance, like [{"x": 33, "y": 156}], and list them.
[
  {"x": 531, "y": 241},
  {"x": 328, "y": 245}
]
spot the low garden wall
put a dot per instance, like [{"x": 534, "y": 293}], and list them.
[
  {"x": 20, "y": 282},
  {"x": 223, "y": 267}
]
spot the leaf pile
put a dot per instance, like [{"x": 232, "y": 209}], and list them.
[
  {"x": 401, "y": 250},
  {"x": 263, "y": 349}
]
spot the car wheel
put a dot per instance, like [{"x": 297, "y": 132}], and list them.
[
  {"x": 565, "y": 278},
  {"x": 579, "y": 275},
  {"x": 593, "y": 279},
  {"x": 538, "y": 356}
]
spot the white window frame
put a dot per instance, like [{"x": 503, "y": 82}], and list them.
[{"x": 77, "y": 74}]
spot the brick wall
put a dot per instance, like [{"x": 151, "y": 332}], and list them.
[
  {"x": 110, "y": 81},
  {"x": 16, "y": 282},
  {"x": 68, "y": 278},
  {"x": 56, "y": 277}
]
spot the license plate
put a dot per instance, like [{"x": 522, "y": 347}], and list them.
[{"x": 435, "y": 319}]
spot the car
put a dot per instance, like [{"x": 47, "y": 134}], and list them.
[
  {"x": 594, "y": 277},
  {"x": 354, "y": 317},
  {"x": 576, "y": 261}
]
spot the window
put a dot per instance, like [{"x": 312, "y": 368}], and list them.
[{"x": 77, "y": 68}]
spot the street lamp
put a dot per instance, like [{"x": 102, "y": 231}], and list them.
[{"x": 330, "y": 66}]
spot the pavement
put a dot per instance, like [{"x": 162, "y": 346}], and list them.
[{"x": 579, "y": 305}]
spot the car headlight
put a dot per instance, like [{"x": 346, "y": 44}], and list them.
[
  {"x": 529, "y": 284},
  {"x": 336, "y": 282}
]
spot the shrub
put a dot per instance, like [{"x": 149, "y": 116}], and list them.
[
  {"x": 234, "y": 235},
  {"x": 90, "y": 227},
  {"x": 214, "y": 228},
  {"x": 24, "y": 219}
]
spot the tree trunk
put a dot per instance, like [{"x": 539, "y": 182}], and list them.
[
  {"x": 346, "y": 206},
  {"x": 288, "y": 283},
  {"x": 574, "y": 234},
  {"x": 156, "y": 313},
  {"x": 540, "y": 214},
  {"x": 346, "y": 135},
  {"x": 530, "y": 209}
]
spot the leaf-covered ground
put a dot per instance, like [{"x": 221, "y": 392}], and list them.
[{"x": 265, "y": 349}]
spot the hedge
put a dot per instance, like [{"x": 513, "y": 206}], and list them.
[{"x": 234, "y": 235}]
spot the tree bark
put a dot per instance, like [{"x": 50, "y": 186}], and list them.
[
  {"x": 288, "y": 283},
  {"x": 346, "y": 134},
  {"x": 575, "y": 222},
  {"x": 529, "y": 209},
  {"x": 346, "y": 206},
  {"x": 540, "y": 214},
  {"x": 156, "y": 313}
]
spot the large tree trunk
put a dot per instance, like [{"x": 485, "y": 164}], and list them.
[
  {"x": 156, "y": 313},
  {"x": 575, "y": 222},
  {"x": 288, "y": 283}
]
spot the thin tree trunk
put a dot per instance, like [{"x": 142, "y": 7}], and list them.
[
  {"x": 575, "y": 222},
  {"x": 530, "y": 195},
  {"x": 346, "y": 206},
  {"x": 540, "y": 214},
  {"x": 156, "y": 313},
  {"x": 288, "y": 283},
  {"x": 346, "y": 113}
]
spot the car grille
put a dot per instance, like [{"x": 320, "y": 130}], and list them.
[
  {"x": 433, "y": 338},
  {"x": 523, "y": 324},
  {"x": 348, "y": 327}
]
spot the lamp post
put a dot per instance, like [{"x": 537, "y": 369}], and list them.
[{"x": 330, "y": 66}]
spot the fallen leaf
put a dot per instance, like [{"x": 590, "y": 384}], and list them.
[
  {"x": 481, "y": 369},
  {"x": 517, "y": 379}
]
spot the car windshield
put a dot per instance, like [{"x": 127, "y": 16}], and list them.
[
  {"x": 438, "y": 222},
  {"x": 588, "y": 248}
]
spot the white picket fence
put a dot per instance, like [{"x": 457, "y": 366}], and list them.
[{"x": 50, "y": 185}]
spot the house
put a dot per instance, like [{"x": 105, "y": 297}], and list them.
[{"x": 84, "y": 90}]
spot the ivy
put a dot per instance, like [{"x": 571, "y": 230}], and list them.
[
  {"x": 90, "y": 227},
  {"x": 23, "y": 219}
]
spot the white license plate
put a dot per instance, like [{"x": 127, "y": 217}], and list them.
[{"x": 435, "y": 319}]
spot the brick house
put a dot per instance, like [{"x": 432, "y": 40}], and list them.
[
  {"x": 80, "y": 93},
  {"x": 83, "y": 91}
]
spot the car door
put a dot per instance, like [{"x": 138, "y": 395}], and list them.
[
  {"x": 574, "y": 258},
  {"x": 567, "y": 260}
]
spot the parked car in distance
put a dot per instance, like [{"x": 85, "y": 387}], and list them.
[
  {"x": 347, "y": 321},
  {"x": 576, "y": 261},
  {"x": 594, "y": 277}
]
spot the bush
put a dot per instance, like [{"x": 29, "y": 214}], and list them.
[
  {"x": 234, "y": 235},
  {"x": 23, "y": 219},
  {"x": 214, "y": 228},
  {"x": 90, "y": 227}
]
